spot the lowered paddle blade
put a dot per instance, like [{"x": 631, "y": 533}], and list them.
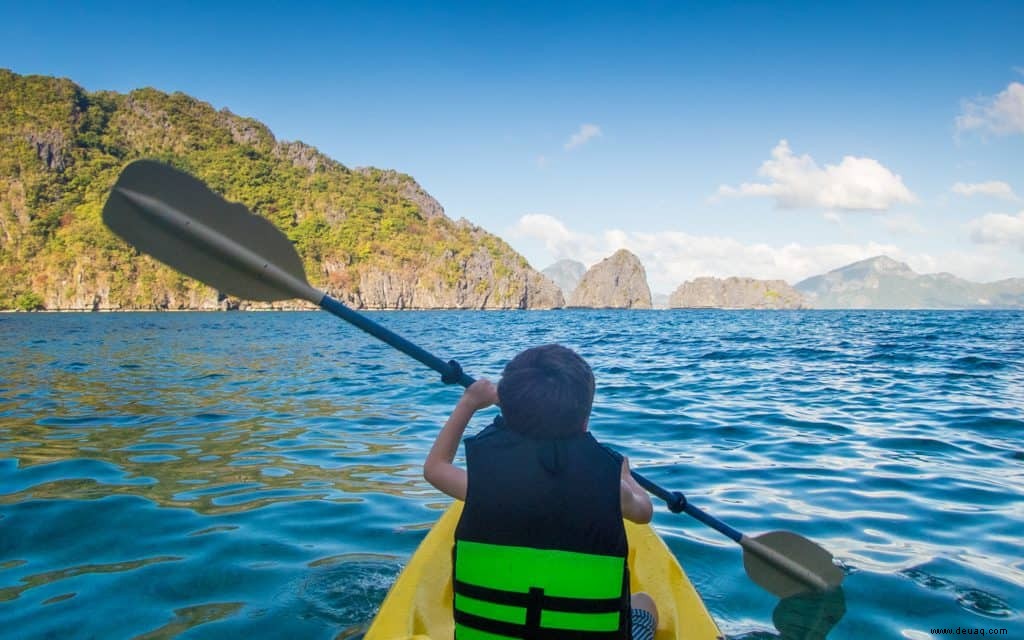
[
  {"x": 178, "y": 220},
  {"x": 787, "y": 564}
]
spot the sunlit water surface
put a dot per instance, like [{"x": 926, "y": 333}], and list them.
[{"x": 215, "y": 475}]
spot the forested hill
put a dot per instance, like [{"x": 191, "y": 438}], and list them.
[{"x": 370, "y": 237}]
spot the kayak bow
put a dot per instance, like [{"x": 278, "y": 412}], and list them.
[{"x": 419, "y": 604}]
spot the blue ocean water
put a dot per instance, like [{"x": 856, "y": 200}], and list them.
[{"x": 215, "y": 475}]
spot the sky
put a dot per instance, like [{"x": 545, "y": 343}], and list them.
[{"x": 767, "y": 140}]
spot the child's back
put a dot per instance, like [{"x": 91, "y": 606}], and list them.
[{"x": 540, "y": 550}]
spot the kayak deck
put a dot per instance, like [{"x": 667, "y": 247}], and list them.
[{"x": 418, "y": 607}]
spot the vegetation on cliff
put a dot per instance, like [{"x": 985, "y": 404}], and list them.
[{"x": 370, "y": 237}]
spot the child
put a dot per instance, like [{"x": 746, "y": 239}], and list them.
[{"x": 540, "y": 550}]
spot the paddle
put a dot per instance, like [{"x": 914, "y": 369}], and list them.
[
  {"x": 781, "y": 562},
  {"x": 178, "y": 220}
]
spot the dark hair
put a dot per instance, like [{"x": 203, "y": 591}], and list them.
[{"x": 547, "y": 392}]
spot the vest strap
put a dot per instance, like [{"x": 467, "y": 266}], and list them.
[
  {"x": 550, "y": 603},
  {"x": 534, "y": 610},
  {"x": 523, "y": 632}
]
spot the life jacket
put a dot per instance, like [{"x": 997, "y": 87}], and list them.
[{"x": 540, "y": 550}]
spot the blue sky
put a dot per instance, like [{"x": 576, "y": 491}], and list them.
[{"x": 772, "y": 140}]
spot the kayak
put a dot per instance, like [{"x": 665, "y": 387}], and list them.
[{"x": 419, "y": 605}]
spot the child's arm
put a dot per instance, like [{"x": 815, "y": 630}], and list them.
[
  {"x": 438, "y": 468},
  {"x": 636, "y": 504}
]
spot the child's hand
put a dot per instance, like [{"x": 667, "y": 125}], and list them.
[
  {"x": 438, "y": 468},
  {"x": 636, "y": 504},
  {"x": 480, "y": 394}
]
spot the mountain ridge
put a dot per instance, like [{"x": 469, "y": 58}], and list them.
[
  {"x": 566, "y": 274},
  {"x": 881, "y": 282}
]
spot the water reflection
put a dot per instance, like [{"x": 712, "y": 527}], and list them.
[
  {"x": 189, "y": 617},
  {"x": 191, "y": 414},
  {"x": 200, "y": 463},
  {"x": 809, "y": 616}
]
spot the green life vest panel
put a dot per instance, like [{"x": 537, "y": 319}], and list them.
[
  {"x": 540, "y": 549},
  {"x": 504, "y": 592}
]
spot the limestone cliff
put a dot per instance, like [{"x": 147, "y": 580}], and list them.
[
  {"x": 617, "y": 282},
  {"x": 736, "y": 293}
]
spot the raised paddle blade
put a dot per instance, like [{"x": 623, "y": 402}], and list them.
[
  {"x": 787, "y": 564},
  {"x": 179, "y": 221}
]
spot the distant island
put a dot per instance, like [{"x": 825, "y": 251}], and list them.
[
  {"x": 370, "y": 237},
  {"x": 875, "y": 283},
  {"x": 736, "y": 293}
]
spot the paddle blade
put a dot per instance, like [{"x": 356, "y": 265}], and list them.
[
  {"x": 178, "y": 220},
  {"x": 806, "y": 555}
]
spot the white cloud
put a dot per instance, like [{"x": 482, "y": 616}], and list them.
[
  {"x": 586, "y": 132},
  {"x": 797, "y": 182},
  {"x": 557, "y": 239},
  {"x": 1002, "y": 114},
  {"x": 673, "y": 257},
  {"x": 547, "y": 228},
  {"x": 998, "y": 228},
  {"x": 993, "y": 188}
]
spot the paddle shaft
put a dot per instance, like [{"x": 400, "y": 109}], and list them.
[
  {"x": 676, "y": 501},
  {"x": 451, "y": 372}
]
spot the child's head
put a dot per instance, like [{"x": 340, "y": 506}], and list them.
[{"x": 547, "y": 392}]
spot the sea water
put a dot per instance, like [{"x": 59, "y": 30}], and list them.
[{"x": 257, "y": 475}]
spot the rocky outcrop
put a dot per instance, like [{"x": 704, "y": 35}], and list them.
[
  {"x": 735, "y": 293},
  {"x": 477, "y": 281},
  {"x": 566, "y": 274},
  {"x": 391, "y": 290},
  {"x": 617, "y": 282},
  {"x": 407, "y": 188},
  {"x": 50, "y": 147},
  {"x": 302, "y": 155}
]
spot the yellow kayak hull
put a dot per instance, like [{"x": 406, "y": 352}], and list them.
[{"x": 419, "y": 605}]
